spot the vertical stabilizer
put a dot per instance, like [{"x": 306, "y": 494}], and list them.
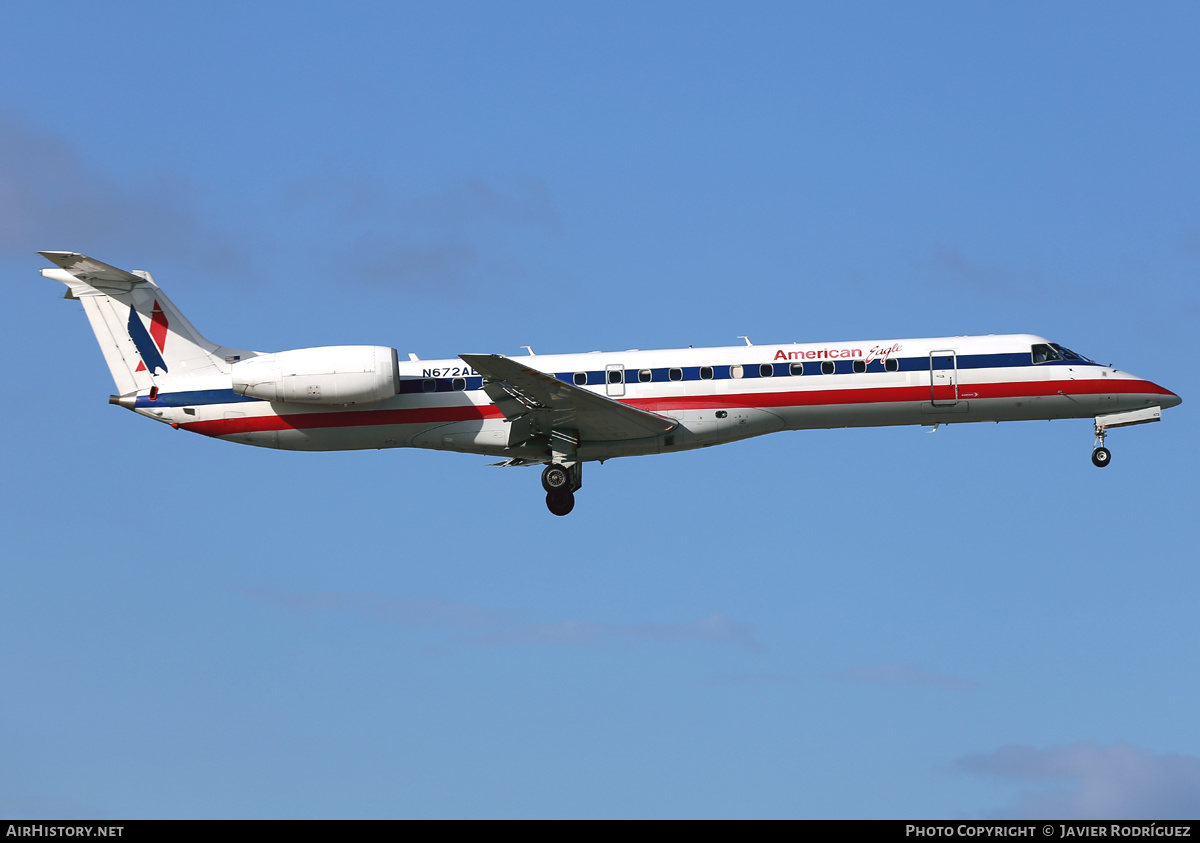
[{"x": 145, "y": 340}]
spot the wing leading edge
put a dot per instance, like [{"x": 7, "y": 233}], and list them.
[{"x": 527, "y": 395}]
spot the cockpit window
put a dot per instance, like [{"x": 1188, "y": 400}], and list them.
[
  {"x": 1043, "y": 353},
  {"x": 1068, "y": 354}
]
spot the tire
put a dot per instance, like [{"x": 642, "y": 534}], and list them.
[
  {"x": 1101, "y": 457},
  {"x": 560, "y": 501},
  {"x": 556, "y": 477}
]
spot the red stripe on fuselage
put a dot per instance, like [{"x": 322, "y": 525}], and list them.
[
  {"x": 344, "y": 418},
  {"x": 823, "y": 397},
  {"x": 893, "y": 394}
]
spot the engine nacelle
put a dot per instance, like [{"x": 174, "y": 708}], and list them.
[{"x": 334, "y": 374}]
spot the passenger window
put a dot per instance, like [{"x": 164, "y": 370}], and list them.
[
  {"x": 459, "y": 384},
  {"x": 860, "y": 366},
  {"x": 891, "y": 364},
  {"x": 706, "y": 373},
  {"x": 580, "y": 378},
  {"x": 828, "y": 367},
  {"x": 796, "y": 368},
  {"x": 766, "y": 370},
  {"x": 616, "y": 376},
  {"x": 645, "y": 376},
  {"x": 676, "y": 374},
  {"x": 429, "y": 385},
  {"x": 735, "y": 371}
]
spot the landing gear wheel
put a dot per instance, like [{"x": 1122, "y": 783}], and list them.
[
  {"x": 555, "y": 478},
  {"x": 1101, "y": 457},
  {"x": 560, "y": 501}
]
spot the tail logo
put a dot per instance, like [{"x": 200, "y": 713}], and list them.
[{"x": 149, "y": 344}]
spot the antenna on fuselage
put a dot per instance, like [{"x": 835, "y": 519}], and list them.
[
  {"x": 530, "y": 350},
  {"x": 747, "y": 339}
]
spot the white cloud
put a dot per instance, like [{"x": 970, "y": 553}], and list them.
[
  {"x": 1189, "y": 241},
  {"x": 902, "y": 674},
  {"x": 436, "y": 613},
  {"x": 953, "y": 268},
  {"x": 1088, "y": 781},
  {"x": 427, "y": 612},
  {"x": 51, "y": 197},
  {"x": 49, "y": 808},
  {"x": 715, "y": 629},
  {"x": 468, "y": 233},
  {"x": 754, "y": 679}
]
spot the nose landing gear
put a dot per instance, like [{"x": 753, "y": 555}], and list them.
[
  {"x": 560, "y": 482},
  {"x": 1101, "y": 455}
]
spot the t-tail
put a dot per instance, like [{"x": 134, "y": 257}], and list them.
[{"x": 148, "y": 344}]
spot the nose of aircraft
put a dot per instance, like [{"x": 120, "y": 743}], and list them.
[{"x": 1167, "y": 397}]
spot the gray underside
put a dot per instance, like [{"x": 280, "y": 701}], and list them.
[{"x": 697, "y": 428}]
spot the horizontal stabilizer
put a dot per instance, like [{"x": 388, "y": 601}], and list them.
[
  {"x": 142, "y": 334},
  {"x": 107, "y": 279}
]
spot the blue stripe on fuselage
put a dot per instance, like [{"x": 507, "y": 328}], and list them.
[
  {"x": 843, "y": 366},
  {"x": 195, "y": 398}
]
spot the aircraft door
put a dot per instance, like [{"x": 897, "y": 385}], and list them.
[
  {"x": 614, "y": 380},
  {"x": 943, "y": 378}
]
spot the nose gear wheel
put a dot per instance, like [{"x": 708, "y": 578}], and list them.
[{"x": 1101, "y": 456}]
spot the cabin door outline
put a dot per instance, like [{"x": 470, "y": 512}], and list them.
[
  {"x": 614, "y": 380},
  {"x": 943, "y": 378}
]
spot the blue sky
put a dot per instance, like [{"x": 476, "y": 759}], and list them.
[{"x": 848, "y": 623}]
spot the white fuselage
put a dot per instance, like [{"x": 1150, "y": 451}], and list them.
[{"x": 716, "y": 394}]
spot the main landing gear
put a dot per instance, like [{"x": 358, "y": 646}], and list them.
[{"x": 560, "y": 482}]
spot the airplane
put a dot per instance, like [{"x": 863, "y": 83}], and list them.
[{"x": 562, "y": 410}]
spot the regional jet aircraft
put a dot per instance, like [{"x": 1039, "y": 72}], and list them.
[{"x": 563, "y": 410}]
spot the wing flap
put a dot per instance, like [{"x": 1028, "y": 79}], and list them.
[{"x": 521, "y": 392}]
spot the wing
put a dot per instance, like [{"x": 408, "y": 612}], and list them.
[{"x": 542, "y": 400}]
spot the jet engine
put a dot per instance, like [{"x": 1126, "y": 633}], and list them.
[{"x": 334, "y": 374}]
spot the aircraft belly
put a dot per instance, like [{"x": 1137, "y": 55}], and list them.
[
  {"x": 487, "y": 436},
  {"x": 698, "y": 427},
  {"x": 876, "y": 414},
  {"x": 1134, "y": 401},
  {"x": 748, "y": 422},
  {"x": 710, "y": 426},
  {"x": 373, "y": 437}
]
